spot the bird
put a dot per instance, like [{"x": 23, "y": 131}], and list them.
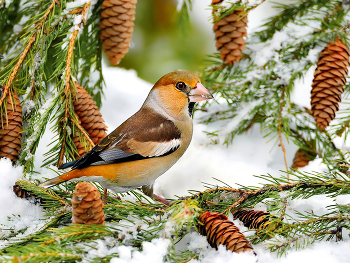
[{"x": 148, "y": 143}]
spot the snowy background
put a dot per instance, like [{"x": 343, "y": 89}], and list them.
[{"x": 249, "y": 155}]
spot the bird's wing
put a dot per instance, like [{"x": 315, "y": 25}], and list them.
[{"x": 146, "y": 134}]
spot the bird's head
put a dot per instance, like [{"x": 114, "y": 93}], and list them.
[
  {"x": 177, "y": 92},
  {"x": 184, "y": 84}
]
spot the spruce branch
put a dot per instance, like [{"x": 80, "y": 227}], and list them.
[
  {"x": 68, "y": 89},
  {"x": 43, "y": 193},
  {"x": 24, "y": 53},
  {"x": 15, "y": 242},
  {"x": 70, "y": 49},
  {"x": 331, "y": 232},
  {"x": 78, "y": 233},
  {"x": 42, "y": 256},
  {"x": 283, "y": 147}
]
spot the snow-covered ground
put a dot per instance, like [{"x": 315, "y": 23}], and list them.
[{"x": 249, "y": 155}]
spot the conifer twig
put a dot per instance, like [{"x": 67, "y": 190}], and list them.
[
  {"x": 333, "y": 145},
  {"x": 82, "y": 130},
  {"x": 283, "y": 148},
  {"x": 280, "y": 130},
  {"x": 241, "y": 200},
  {"x": 70, "y": 49},
  {"x": 12, "y": 39},
  {"x": 227, "y": 189},
  {"x": 331, "y": 232},
  {"x": 346, "y": 125},
  {"x": 60, "y": 158},
  {"x": 24, "y": 54},
  {"x": 67, "y": 90},
  {"x": 306, "y": 142},
  {"x": 72, "y": 234},
  {"x": 51, "y": 254},
  {"x": 255, "y": 6},
  {"x": 245, "y": 194},
  {"x": 316, "y": 220}
]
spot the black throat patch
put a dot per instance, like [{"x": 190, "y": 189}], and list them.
[{"x": 190, "y": 108}]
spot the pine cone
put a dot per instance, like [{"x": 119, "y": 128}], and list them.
[
  {"x": 220, "y": 230},
  {"x": 328, "y": 83},
  {"x": 11, "y": 128},
  {"x": 117, "y": 25},
  {"x": 23, "y": 193},
  {"x": 229, "y": 33},
  {"x": 90, "y": 119},
  {"x": 87, "y": 205},
  {"x": 252, "y": 219},
  {"x": 301, "y": 159}
]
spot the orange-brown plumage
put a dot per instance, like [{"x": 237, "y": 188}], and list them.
[{"x": 148, "y": 143}]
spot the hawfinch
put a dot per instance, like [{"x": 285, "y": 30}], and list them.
[{"x": 148, "y": 143}]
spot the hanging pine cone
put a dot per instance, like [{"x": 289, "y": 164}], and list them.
[
  {"x": 11, "y": 128},
  {"x": 117, "y": 25},
  {"x": 229, "y": 33},
  {"x": 302, "y": 158},
  {"x": 252, "y": 219},
  {"x": 328, "y": 83},
  {"x": 87, "y": 205},
  {"x": 90, "y": 119},
  {"x": 220, "y": 230}
]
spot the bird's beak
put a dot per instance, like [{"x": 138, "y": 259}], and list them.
[{"x": 199, "y": 93}]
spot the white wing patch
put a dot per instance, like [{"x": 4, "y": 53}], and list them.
[{"x": 164, "y": 147}]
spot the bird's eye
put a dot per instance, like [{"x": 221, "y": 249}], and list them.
[{"x": 180, "y": 85}]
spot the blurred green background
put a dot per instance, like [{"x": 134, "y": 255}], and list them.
[{"x": 165, "y": 40}]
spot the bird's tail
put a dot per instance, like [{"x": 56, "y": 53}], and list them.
[{"x": 60, "y": 179}]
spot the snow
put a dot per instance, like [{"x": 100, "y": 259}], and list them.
[
  {"x": 16, "y": 213},
  {"x": 206, "y": 157},
  {"x": 152, "y": 252}
]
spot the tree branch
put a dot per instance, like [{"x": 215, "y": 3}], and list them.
[{"x": 24, "y": 54}]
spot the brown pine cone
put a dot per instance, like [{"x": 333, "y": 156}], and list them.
[
  {"x": 328, "y": 83},
  {"x": 23, "y": 193},
  {"x": 252, "y": 219},
  {"x": 229, "y": 33},
  {"x": 87, "y": 205},
  {"x": 220, "y": 230},
  {"x": 301, "y": 159},
  {"x": 11, "y": 128},
  {"x": 90, "y": 119},
  {"x": 117, "y": 25}
]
